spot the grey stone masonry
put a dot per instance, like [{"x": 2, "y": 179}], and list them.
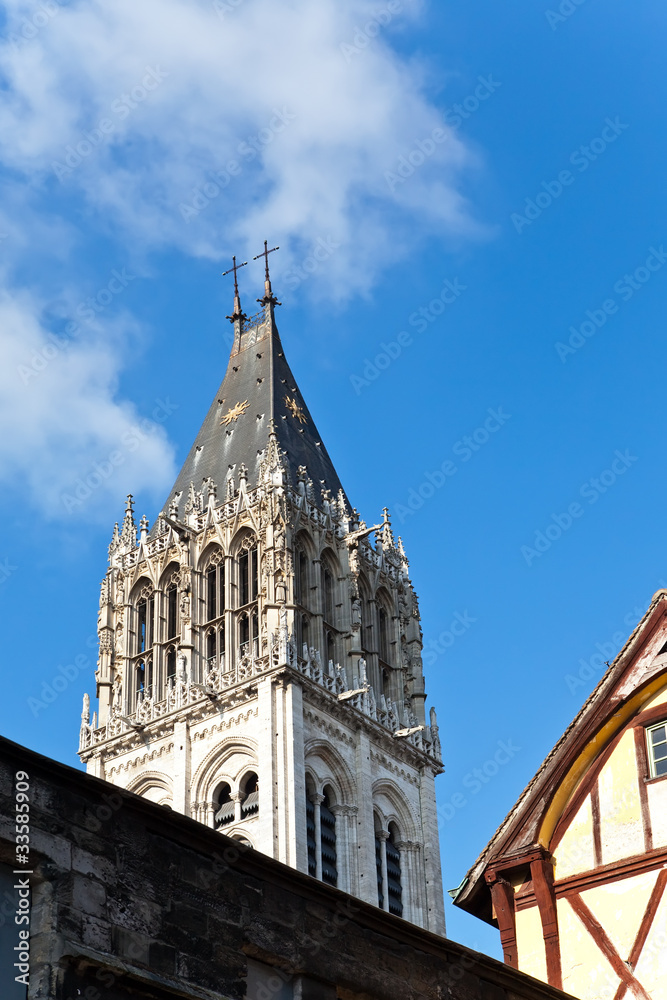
[{"x": 132, "y": 899}]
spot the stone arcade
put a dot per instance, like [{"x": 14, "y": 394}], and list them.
[{"x": 260, "y": 652}]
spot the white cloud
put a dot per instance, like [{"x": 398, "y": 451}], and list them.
[
  {"x": 65, "y": 435},
  {"x": 316, "y": 87},
  {"x": 160, "y": 124}
]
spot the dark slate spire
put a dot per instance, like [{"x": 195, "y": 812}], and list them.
[{"x": 258, "y": 395}]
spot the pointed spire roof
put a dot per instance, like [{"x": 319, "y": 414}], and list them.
[{"x": 258, "y": 398}]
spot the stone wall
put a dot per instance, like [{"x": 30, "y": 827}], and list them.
[{"x": 130, "y": 899}]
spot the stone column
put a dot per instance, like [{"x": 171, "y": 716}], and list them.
[
  {"x": 317, "y": 801},
  {"x": 296, "y": 769},
  {"x": 209, "y": 812},
  {"x": 346, "y": 847},
  {"x": 181, "y": 772},
  {"x": 365, "y": 827},
  {"x": 434, "y": 915},
  {"x": 383, "y": 836},
  {"x": 411, "y": 882},
  {"x": 237, "y": 799},
  {"x": 266, "y": 824}
]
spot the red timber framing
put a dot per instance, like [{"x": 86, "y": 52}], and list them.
[
  {"x": 502, "y": 897},
  {"x": 599, "y": 935},
  {"x": 542, "y": 873},
  {"x": 522, "y": 852},
  {"x": 540, "y": 865}
]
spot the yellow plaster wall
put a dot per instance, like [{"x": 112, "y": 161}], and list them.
[
  {"x": 575, "y": 852},
  {"x": 586, "y": 972},
  {"x": 620, "y": 809},
  {"x": 658, "y": 699},
  {"x": 620, "y": 906},
  {"x": 651, "y": 969},
  {"x": 530, "y": 943},
  {"x": 657, "y": 804}
]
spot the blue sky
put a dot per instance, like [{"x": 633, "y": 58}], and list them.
[{"x": 512, "y": 258}]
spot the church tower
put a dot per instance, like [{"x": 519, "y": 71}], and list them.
[{"x": 260, "y": 651}]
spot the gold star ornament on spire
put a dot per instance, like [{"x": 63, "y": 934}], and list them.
[
  {"x": 295, "y": 410},
  {"x": 234, "y": 412}
]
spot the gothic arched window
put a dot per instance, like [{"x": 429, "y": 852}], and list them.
[
  {"x": 330, "y": 646},
  {"x": 321, "y": 835},
  {"x": 248, "y": 586},
  {"x": 172, "y": 611},
  {"x": 394, "y": 887},
  {"x": 388, "y": 868},
  {"x": 383, "y": 635},
  {"x": 139, "y": 680},
  {"x": 250, "y": 791},
  {"x": 224, "y": 812},
  {"x": 247, "y": 565},
  {"x": 301, "y": 577},
  {"x": 171, "y": 666},
  {"x": 145, "y": 619},
  {"x": 328, "y": 595},
  {"x": 328, "y": 837},
  {"x": 366, "y": 609},
  {"x": 142, "y": 622},
  {"x": 214, "y": 611},
  {"x": 304, "y": 632},
  {"x": 214, "y": 597}
]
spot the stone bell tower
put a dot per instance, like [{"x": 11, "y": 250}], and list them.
[{"x": 260, "y": 651}]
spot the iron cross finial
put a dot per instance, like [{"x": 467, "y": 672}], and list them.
[
  {"x": 235, "y": 267},
  {"x": 265, "y": 254}
]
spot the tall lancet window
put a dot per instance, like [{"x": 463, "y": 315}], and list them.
[
  {"x": 394, "y": 886},
  {"x": 388, "y": 868},
  {"x": 329, "y": 574},
  {"x": 321, "y": 835},
  {"x": 328, "y": 835},
  {"x": 172, "y": 611},
  {"x": 248, "y": 584},
  {"x": 247, "y": 590},
  {"x": 328, "y": 595},
  {"x": 301, "y": 590},
  {"x": 213, "y": 602},
  {"x": 383, "y": 636},
  {"x": 143, "y": 616}
]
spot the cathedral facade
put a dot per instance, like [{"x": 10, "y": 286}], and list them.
[{"x": 260, "y": 652}]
